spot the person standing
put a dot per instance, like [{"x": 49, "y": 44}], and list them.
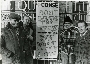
[
  {"x": 28, "y": 48},
  {"x": 22, "y": 38},
  {"x": 82, "y": 46},
  {"x": 67, "y": 40},
  {"x": 9, "y": 41}
]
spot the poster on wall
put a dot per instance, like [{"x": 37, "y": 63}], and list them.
[{"x": 47, "y": 24}]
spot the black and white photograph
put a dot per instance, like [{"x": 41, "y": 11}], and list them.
[{"x": 45, "y": 32}]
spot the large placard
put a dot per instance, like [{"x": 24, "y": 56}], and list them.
[{"x": 47, "y": 24}]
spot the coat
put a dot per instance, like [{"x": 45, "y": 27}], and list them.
[
  {"x": 82, "y": 48},
  {"x": 9, "y": 45},
  {"x": 28, "y": 30},
  {"x": 28, "y": 48}
]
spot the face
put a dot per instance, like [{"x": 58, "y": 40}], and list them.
[
  {"x": 13, "y": 22},
  {"x": 26, "y": 20},
  {"x": 81, "y": 27},
  {"x": 67, "y": 25}
]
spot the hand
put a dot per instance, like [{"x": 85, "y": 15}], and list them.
[
  {"x": 8, "y": 54},
  {"x": 15, "y": 59},
  {"x": 11, "y": 55},
  {"x": 30, "y": 37}
]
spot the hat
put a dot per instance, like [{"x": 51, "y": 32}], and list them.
[
  {"x": 15, "y": 16},
  {"x": 67, "y": 19}
]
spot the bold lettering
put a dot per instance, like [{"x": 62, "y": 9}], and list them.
[
  {"x": 56, "y": 5},
  {"x": 46, "y": 4},
  {"x": 42, "y": 4},
  {"x": 50, "y": 4}
]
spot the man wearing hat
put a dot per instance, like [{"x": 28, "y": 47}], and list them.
[
  {"x": 67, "y": 22},
  {"x": 67, "y": 39},
  {"x": 66, "y": 32},
  {"x": 10, "y": 43}
]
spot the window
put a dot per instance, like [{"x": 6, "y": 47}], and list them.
[{"x": 80, "y": 10}]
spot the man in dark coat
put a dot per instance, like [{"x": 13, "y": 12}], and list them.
[
  {"x": 28, "y": 48},
  {"x": 22, "y": 38},
  {"x": 82, "y": 47},
  {"x": 10, "y": 45}
]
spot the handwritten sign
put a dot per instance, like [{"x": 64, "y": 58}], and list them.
[{"x": 47, "y": 24}]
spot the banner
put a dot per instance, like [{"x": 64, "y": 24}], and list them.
[{"x": 47, "y": 24}]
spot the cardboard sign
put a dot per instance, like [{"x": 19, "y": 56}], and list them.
[{"x": 47, "y": 24}]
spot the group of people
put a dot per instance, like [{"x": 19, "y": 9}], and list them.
[
  {"x": 75, "y": 40},
  {"x": 16, "y": 40}
]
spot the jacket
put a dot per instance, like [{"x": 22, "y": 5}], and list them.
[
  {"x": 82, "y": 48},
  {"x": 9, "y": 43}
]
